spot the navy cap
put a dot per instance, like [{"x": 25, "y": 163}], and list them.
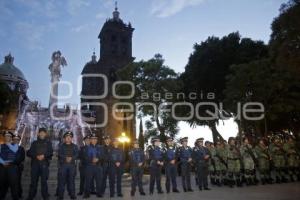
[
  {"x": 42, "y": 130},
  {"x": 93, "y": 136},
  {"x": 154, "y": 139},
  {"x": 86, "y": 137},
  {"x": 17, "y": 136},
  {"x": 200, "y": 139},
  {"x": 184, "y": 139},
  {"x": 8, "y": 133},
  {"x": 68, "y": 133}
]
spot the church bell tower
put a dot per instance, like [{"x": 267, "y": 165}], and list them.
[{"x": 115, "y": 53}]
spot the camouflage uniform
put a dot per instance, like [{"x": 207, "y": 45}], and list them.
[
  {"x": 248, "y": 156},
  {"x": 278, "y": 157},
  {"x": 234, "y": 165},
  {"x": 221, "y": 164},
  {"x": 211, "y": 164},
  {"x": 263, "y": 158},
  {"x": 292, "y": 159}
]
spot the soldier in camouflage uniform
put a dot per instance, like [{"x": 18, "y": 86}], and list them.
[
  {"x": 292, "y": 158},
  {"x": 234, "y": 164},
  {"x": 211, "y": 163},
  {"x": 220, "y": 163},
  {"x": 248, "y": 159},
  {"x": 263, "y": 158},
  {"x": 278, "y": 157}
]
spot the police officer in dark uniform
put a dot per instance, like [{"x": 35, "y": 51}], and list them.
[
  {"x": 67, "y": 155},
  {"x": 94, "y": 157},
  {"x": 82, "y": 163},
  {"x": 106, "y": 149},
  {"x": 9, "y": 161},
  {"x": 116, "y": 160},
  {"x": 156, "y": 157},
  {"x": 21, "y": 158},
  {"x": 171, "y": 165},
  {"x": 137, "y": 160},
  {"x": 201, "y": 156},
  {"x": 184, "y": 154},
  {"x": 41, "y": 153}
]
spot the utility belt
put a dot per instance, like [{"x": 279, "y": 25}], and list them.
[
  {"x": 233, "y": 158},
  {"x": 68, "y": 163},
  {"x": 154, "y": 162},
  {"x": 95, "y": 164}
]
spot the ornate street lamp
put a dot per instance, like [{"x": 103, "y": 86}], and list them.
[{"x": 124, "y": 139}]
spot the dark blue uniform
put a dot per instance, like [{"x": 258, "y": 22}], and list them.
[
  {"x": 184, "y": 154},
  {"x": 155, "y": 154},
  {"x": 67, "y": 170},
  {"x": 39, "y": 168},
  {"x": 106, "y": 149},
  {"x": 10, "y": 158},
  {"x": 201, "y": 165},
  {"x": 136, "y": 157},
  {"x": 82, "y": 166},
  {"x": 116, "y": 155},
  {"x": 171, "y": 169},
  {"x": 93, "y": 171},
  {"x": 20, "y": 160}
]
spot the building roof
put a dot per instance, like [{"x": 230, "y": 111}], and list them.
[{"x": 8, "y": 69}]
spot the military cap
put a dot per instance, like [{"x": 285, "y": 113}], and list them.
[
  {"x": 93, "y": 136},
  {"x": 8, "y": 133},
  {"x": 276, "y": 137},
  {"x": 169, "y": 139},
  {"x": 184, "y": 139},
  {"x": 68, "y": 133},
  {"x": 200, "y": 139},
  {"x": 42, "y": 129},
  {"x": 17, "y": 136},
  {"x": 231, "y": 138},
  {"x": 105, "y": 137},
  {"x": 86, "y": 137},
  {"x": 154, "y": 139}
]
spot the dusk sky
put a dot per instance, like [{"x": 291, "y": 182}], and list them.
[{"x": 32, "y": 29}]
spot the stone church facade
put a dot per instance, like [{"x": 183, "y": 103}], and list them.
[{"x": 115, "y": 53}]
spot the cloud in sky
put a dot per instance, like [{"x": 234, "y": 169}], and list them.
[
  {"x": 74, "y": 5},
  {"x": 100, "y": 15},
  {"x": 166, "y": 8},
  {"x": 31, "y": 35},
  {"x": 81, "y": 28}
]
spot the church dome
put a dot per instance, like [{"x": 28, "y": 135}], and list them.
[{"x": 9, "y": 71}]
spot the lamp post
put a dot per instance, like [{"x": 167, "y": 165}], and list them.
[{"x": 124, "y": 139}]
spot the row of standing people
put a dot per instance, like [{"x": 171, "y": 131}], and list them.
[
  {"x": 233, "y": 163},
  {"x": 226, "y": 163},
  {"x": 97, "y": 163}
]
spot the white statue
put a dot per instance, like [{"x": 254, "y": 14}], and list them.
[{"x": 55, "y": 67}]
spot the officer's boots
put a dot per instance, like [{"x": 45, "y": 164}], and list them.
[
  {"x": 175, "y": 190},
  {"x": 239, "y": 183},
  {"x": 263, "y": 181},
  {"x": 132, "y": 193}
]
